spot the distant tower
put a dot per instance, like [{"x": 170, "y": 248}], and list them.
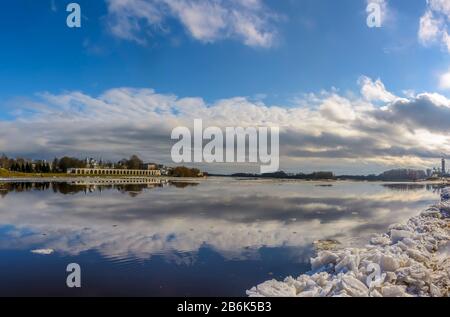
[{"x": 443, "y": 171}]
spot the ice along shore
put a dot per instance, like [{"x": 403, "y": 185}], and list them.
[{"x": 412, "y": 259}]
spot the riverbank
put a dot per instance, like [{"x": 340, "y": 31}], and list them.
[
  {"x": 9, "y": 174},
  {"x": 64, "y": 177},
  {"x": 83, "y": 180},
  {"x": 413, "y": 259},
  {"x": 443, "y": 182}
]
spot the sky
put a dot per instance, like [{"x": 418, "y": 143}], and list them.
[{"x": 348, "y": 98}]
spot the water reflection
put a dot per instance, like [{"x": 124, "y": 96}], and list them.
[
  {"x": 232, "y": 218},
  {"x": 405, "y": 187},
  {"x": 75, "y": 187},
  {"x": 240, "y": 220}
]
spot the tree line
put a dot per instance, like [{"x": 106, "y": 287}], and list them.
[
  {"x": 183, "y": 171},
  {"x": 61, "y": 165},
  {"x": 39, "y": 166}
]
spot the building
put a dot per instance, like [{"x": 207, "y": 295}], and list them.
[
  {"x": 165, "y": 170},
  {"x": 112, "y": 172},
  {"x": 150, "y": 166},
  {"x": 403, "y": 175},
  {"x": 91, "y": 163},
  {"x": 443, "y": 170}
]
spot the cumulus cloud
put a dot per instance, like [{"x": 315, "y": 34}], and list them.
[
  {"x": 444, "y": 81},
  {"x": 361, "y": 132},
  {"x": 374, "y": 90},
  {"x": 426, "y": 111},
  {"x": 248, "y": 21},
  {"x": 429, "y": 28},
  {"x": 434, "y": 24}
]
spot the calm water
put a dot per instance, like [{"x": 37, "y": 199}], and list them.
[{"x": 215, "y": 237}]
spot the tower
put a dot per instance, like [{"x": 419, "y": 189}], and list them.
[{"x": 443, "y": 171}]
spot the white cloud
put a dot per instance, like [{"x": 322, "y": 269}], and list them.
[
  {"x": 444, "y": 81},
  {"x": 440, "y": 6},
  {"x": 323, "y": 128},
  {"x": 208, "y": 21},
  {"x": 446, "y": 40},
  {"x": 430, "y": 28},
  {"x": 434, "y": 24},
  {"x": 338, "y": 109},
  {"x": 374, "y": 90}
]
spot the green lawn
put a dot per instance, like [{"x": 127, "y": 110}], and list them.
[{"x": 8, "y": 174}]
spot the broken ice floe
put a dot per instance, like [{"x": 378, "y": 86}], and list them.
[{"x": 412, "y": 258}]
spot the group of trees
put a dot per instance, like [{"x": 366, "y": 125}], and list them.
[
  {"x": 391, "y": 175},
  {"x": 29, "y": 166},
  {"x": 403, "y": 174},
  {"x": 395, "y": 175},
  {"x": 24, "y": 165},
  {"x": 185, "y": 172},
  {"x": 133, "y": 163},
  {"x": 6, "y": 162},
  {"x": 39, "y": 167},
  {"x": 284, "y": 175},
  {"x": 61, "y": 165}
]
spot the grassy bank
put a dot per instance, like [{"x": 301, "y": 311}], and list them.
[{"x": 9, "y": 174}]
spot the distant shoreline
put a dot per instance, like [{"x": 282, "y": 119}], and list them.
[
  {"x": 20, "y": 176},
  {"x": 336, "y": 179},
  {"x": 72, "y": 178}
]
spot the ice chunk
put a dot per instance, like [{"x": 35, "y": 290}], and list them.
[
  {"x": 354, "y": 287},
  {"x": 394, "y": 291},
  {"x": 389, "y": 263},
  {"x": 273, "y": 288},
  {"x": 380, "y": 240},
  {"x": 398, "y": 235},
  {"x": 324, "y": 258},
  {"x": 412, "y": 258}
]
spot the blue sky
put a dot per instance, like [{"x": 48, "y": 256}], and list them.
[
  {"x": 319, "y": 44},
  {"x": 271, "y": 53}
]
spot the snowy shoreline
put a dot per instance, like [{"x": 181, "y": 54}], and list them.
[{"x": 413, "y": 259}]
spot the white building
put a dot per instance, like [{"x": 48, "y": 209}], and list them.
[{"x": 112, "y": 172}]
